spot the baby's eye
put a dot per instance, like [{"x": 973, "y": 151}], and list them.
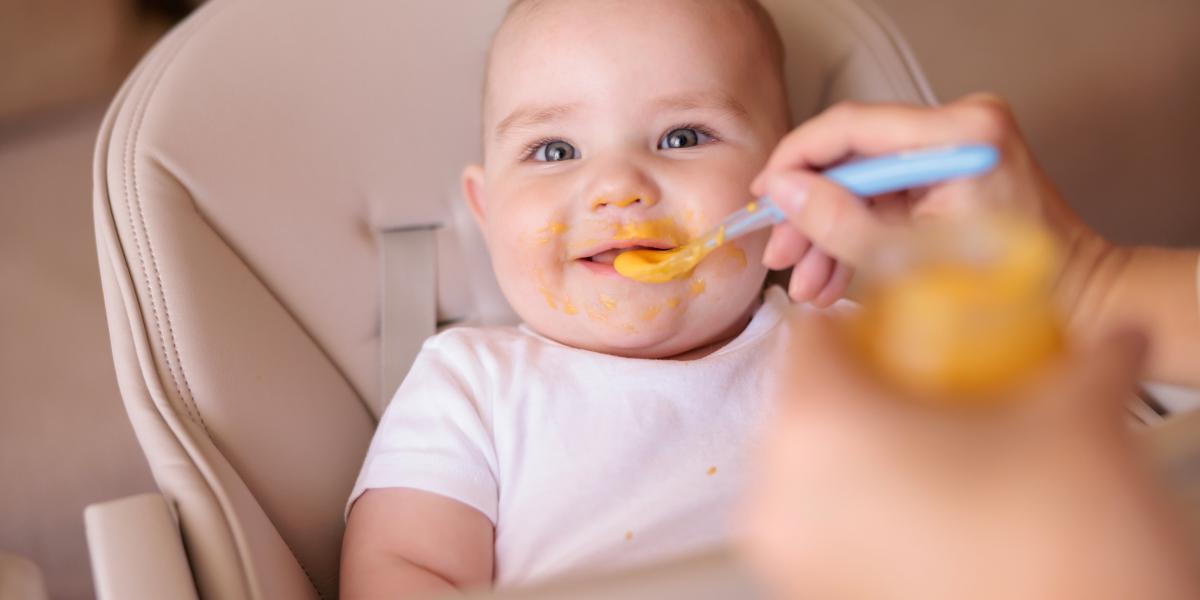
[
  {"x": 683, "y": 137},
  {"x": 555, "y": 151}
]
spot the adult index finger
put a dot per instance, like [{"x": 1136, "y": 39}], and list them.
[{"x": 851, "y": 129}]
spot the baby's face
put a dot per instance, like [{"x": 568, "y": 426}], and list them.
[{"x": 615, "y": 124}]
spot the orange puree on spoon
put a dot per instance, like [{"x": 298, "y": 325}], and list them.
[{"x": 661, "y": 266}]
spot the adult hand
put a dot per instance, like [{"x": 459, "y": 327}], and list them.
[
  {"x": 830, "y": 232},
  {"x": 867, "y": 493}
]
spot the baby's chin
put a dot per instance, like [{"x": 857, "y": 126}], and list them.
[
  {"x": 639, "y": 320},
  {"x": 660, "y": 338}
]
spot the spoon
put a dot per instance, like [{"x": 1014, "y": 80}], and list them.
[{"x": 863, "y": 178}]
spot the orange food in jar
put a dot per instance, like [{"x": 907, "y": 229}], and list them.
[{"x": 964, "y": 313}]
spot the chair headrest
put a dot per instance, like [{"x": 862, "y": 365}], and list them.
[{"x": 299, "y": 144}]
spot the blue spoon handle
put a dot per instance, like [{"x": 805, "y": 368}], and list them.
[
  {"x": 878, "y": 175},
  {"x": 907, "y": 170}
]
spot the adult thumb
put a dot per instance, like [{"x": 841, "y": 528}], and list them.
[{"x": 834, "y": 220}]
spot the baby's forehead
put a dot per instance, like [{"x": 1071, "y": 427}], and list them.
[
  {"x": 741, "y": 18},
  {"x": 743, "y": 27}
]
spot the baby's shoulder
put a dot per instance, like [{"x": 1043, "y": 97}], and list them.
[
  {"x": 483, "y": 344},
  {"x": 485, "y": 360}
]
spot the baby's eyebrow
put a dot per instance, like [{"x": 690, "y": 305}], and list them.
[
  {"x": 533, "y": 115},
  {"x": 713, "y": 100},
  {"x": 529, "y": 116}
]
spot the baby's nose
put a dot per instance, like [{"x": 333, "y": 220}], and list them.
[{"x": 642, "y": 200}]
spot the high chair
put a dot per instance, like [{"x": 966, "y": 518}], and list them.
[{"x": 278, "y": 228}]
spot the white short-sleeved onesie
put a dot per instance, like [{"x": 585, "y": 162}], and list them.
[{"x": 585, "y": 462}]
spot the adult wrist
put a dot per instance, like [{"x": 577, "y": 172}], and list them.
[
  {"x": 1152, "y": 288},
  {"x": 1091, "y": 275}
]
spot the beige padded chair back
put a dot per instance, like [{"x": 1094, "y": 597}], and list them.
[{"x": 244, "y": 176}]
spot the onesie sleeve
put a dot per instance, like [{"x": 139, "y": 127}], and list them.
[{"x": 436, "y": 435}]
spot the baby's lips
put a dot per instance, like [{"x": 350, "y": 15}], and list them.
[{"x": 602, "y": 252}]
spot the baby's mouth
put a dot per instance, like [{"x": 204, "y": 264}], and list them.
[{"x": 607, "y": 256}]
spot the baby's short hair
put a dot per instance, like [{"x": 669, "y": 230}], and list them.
[{"x": 758, "y": 14}]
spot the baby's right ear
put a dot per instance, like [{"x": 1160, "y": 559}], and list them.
[{"x": 473, "y": 191}]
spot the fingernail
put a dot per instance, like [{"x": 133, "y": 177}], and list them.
[{"x": 788, "y": 195}]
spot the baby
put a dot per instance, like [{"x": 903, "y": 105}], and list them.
[{"x": 609, "y": 430}]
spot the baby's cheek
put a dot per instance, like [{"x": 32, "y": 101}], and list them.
[
  {"x": 730, "y": 260},
  {"x": 541, "y": 266},
  {"x": 732, "y": 265},
  {"x": 730, "y": 272},
  {"x": 527, "y": 249}
]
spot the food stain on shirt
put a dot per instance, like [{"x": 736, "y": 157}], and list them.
[
  {"x": 712, "y": 471},
  {"x": 629, "y": 536}
]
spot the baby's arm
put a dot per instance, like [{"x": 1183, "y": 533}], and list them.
[{"x": 406, "y": 543}]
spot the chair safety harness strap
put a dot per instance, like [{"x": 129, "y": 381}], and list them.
[{"x": 409, "y": 302}]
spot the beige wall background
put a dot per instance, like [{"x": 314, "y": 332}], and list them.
[
  {"x": 1107, "y": 91},
  {"x": 64, "y": 439}
]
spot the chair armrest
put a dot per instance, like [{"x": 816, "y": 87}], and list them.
[
  {"x": 136, "y": 550},
  {"x": 20, "y": 579}
]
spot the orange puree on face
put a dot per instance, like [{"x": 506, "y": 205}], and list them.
[
  {"x": 546, "y": 234},
  {"x": 665, "y": 229},
  {"x": 550, "y": 301},
  {"x": 736, "y": 256}
]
